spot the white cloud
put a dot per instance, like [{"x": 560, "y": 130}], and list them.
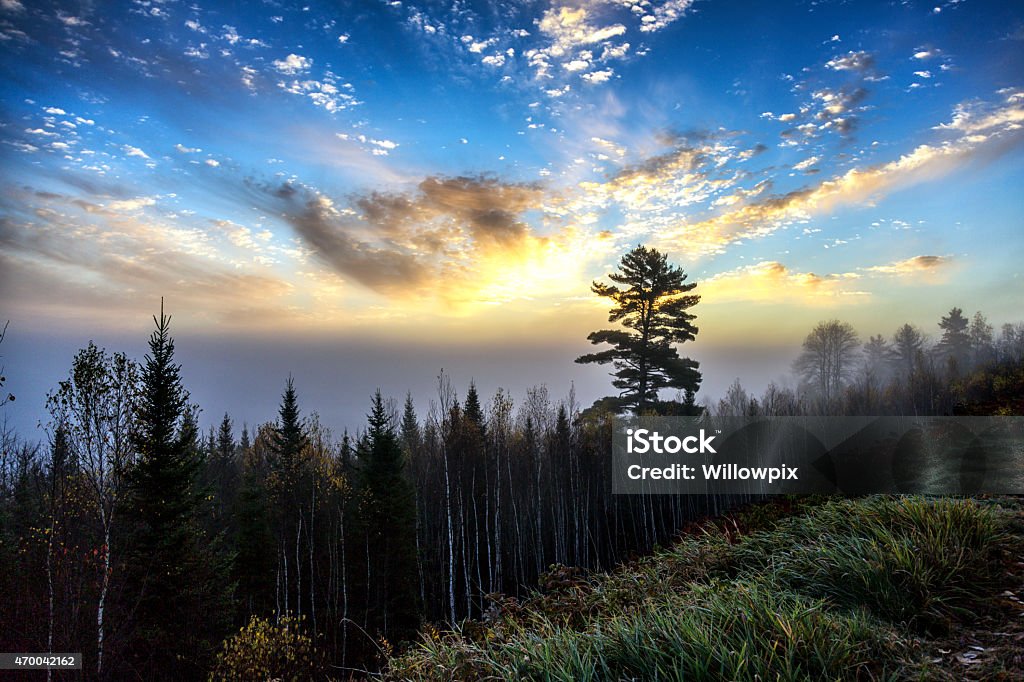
[
  {"x": 71, "y": 21},
  {"x": 293, "y": 64},
  {"x": 664, "y": 14},
  {"x": 478, "y": 46},
  {"x": 851, "y": 61},
  {"x": 806, "y": 163},
  {"x": 978, "y": 117},
  {"x": 187, "y": 150},
  {"x": 134, "y": 151},
  {"x": 595, "y": 77},
  {"x": 127, "y": 205},
  {"x": 248, "y": 77}
]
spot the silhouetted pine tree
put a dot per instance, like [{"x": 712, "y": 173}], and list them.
[
  {"x": 177, "y": 574},
  {"x": 955, "y": 344},
  {"x": 288, "y": 438},
  {"x": 253, "y": 567},
  {"x": 652, "y": 305},
  {"x": 388, "y": 514}
]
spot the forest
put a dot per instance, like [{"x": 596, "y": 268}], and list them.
[{"x": 164, "y": 551}]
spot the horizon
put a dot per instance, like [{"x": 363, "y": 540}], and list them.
[{"x": 361, "y": 197}]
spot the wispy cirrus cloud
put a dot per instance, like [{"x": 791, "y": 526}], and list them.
[{"x": 995, "y": 132}]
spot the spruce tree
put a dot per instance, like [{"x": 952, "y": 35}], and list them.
[
  {"x": 652, "y": 305},
  {"x": 225, "y": 440},
  {"x": 907, "y": 342},
  {"x": 955, "y": 344},
  {"x": 410, "y": 431},
  {"x": 178, "y": 581},
  {"x": 389, "y": 516},
  {"x": 288, "y": 437},
  {"x": 253, "y": 566},
  {"x": 472, "y": 410}
]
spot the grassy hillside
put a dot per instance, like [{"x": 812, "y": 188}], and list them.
[{"x": 877, "y": 588}]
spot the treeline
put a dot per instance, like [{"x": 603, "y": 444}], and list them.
[
  {"x": 140, "y": 541},
  {"x": 968, "y": 369}
]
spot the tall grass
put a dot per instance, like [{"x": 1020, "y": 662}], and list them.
[
  {"x": 831, "y": 594},
  {"x": 909, "y": 560}
]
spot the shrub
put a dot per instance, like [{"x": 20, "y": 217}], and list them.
[{"x": 263, "y": 650}]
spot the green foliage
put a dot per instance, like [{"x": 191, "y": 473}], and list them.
[
  {"x": 997, "y": 389},
  {"x": 827, "y": 594},
  {"x": 653, "y": 308},
  {"x": 908, "y": 560},
  {"x": 263, "y": 650}
]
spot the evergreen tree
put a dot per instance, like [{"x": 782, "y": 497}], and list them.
[
  {"x": 652, "y": 306},
  {"x": 472, "y": 410},
  {"x": 223, "y": 472},
  {"x": 389, "y": 517},
  {"x": 225, "y": 440},
  {"x": 982, "y": 344},
  {"x": 290, "y": 484},
  {"x": 253, "y": 567},
  {"x": 211, "y": 445},
  {"x": 178, "y": 581},
  {"x": 244, "y": 444},
  {"x": 410, "y": 426},
  {"x": 955, "y": 344},
  {"x": 907, "y": 342},
  {"x": 877, "y": 354},
  {"x": 289, "y": 438}
]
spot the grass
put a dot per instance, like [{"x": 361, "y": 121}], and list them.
[{"x": 842, "y": 590}]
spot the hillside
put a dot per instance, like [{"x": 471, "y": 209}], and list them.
[{"x": 875, "y": 588}]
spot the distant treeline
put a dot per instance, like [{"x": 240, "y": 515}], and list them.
[
  {"x": 967, "y": 370},
  {"x": 142, "y": 542}
]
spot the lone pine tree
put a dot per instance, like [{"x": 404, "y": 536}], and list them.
[{"x": 651, "y": 301}]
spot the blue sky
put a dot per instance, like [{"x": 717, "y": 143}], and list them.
[{"x": 445, "y": 180}]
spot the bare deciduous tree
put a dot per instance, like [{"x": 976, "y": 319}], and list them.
[{"x": 828, "y": 360}]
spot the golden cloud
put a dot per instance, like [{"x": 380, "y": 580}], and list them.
[
  {"x": 917, "y": 265},
  {"x": 773, "y": 282}
]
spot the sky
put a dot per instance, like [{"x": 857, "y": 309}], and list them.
[{"x": 361, "y": 194}]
